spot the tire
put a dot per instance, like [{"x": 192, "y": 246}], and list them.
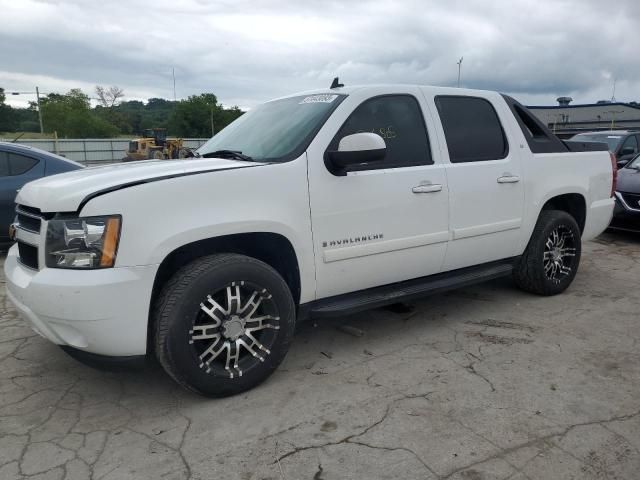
[
  {"x": 156, "y": 155},
  {"x": 223, "y": 324},
  {"x": 551, "y": 260}
]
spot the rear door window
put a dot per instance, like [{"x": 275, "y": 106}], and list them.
[
  {"x": 4, "y": 164},
  {"x": 472, "y": 129},
  {"x": 20, "y": 164}
]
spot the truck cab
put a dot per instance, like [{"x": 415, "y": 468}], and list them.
[{"x": 313, "y": 205}]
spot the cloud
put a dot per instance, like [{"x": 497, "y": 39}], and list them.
[{"x": 247, "y": 52}]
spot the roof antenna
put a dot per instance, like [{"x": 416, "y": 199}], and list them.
[{"x": 336, "y": 84}]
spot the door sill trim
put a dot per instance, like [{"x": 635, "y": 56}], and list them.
[
  {"x": 486, "y": 229},
  {"x": 375, "y": 297}
]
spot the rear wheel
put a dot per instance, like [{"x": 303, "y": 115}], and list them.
[
  {"x": 550, "y": 262},
  {"x": 223, "y": 324}
]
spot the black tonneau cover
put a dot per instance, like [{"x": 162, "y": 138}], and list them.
[{"x": 579, "y": 146}]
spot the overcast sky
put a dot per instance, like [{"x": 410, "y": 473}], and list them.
[{"x": 249, "y": 51}]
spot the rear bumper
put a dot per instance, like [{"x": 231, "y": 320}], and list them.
[
  {"x": 599, "y": 216},
  {"x": 103, "y": 312}
]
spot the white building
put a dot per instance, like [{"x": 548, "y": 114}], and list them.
[{"x": 566, "y": 120}]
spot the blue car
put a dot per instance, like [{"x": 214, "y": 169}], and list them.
[{"x": 20, "y": 164}]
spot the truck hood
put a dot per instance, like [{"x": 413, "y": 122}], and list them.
[
  {"x": 66, "y": 192},
  {"x": 628, "y": 180}
]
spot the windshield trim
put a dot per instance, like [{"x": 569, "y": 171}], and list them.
[{"x": 304, "y": 145}]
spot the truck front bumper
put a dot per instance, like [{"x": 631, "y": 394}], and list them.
[
  {"x": 625, "y": 217},
  {"x": 104, "y": 311}
]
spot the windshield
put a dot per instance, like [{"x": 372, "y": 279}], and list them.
[
  {"x": 279, "y": 130},
  {"x": 612, "y": 141}
]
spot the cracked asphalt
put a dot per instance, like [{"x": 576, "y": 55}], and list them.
[{"x": 482, "y": 383}]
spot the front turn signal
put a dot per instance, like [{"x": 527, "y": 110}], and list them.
[{"x": 110, "y": 245}]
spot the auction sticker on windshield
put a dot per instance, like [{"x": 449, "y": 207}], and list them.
[{"x": 327, "y": 98}]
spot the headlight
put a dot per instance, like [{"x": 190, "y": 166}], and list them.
[{"x": 90, "y": 242}]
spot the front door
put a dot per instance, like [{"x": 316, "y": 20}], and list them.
[
  {"x": 386, "y": 221},
  {"x": 486, "y": 194}
]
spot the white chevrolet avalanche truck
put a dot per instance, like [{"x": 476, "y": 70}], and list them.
[{"x": 313, "y": 205}]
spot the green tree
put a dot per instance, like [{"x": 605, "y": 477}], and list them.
[
  {"x": 229, "y": 115},
  {"x": 17, "y": 119},
  {"x": 131, "y": 113},
  {"x": 26, "y": 119},
  {"x": 115, "y": 117},
  {"x": 194, "y": 116},
  {"x": 71, "y": 116},
  {"x": 156, "y": 114},
  {"x": 6, "y": 118}
]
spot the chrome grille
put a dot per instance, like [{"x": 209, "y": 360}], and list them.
[
  {"x": 632, "y": 200},
  {"x": 28, "y": 219}
]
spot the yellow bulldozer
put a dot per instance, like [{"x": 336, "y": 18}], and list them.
[{"x": 155, "y": 145}]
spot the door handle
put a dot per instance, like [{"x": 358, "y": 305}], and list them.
[
  {"x": 509, "y": 179},
  {"x": 427, "y": 188}
]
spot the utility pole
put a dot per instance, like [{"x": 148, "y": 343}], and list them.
[
  {"x": 212, "y": 128},
  {"x": 459, "y": 62},
  {"x": 37, "y": 92},
  {"x": 613, "y": 117},
  {"x": 173, "y": 73},
  {"x": 39, "y": 110}
]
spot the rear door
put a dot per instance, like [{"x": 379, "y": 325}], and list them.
[
  {"x": 486, "y": 194},
  {"x": 381, "y": 222}
]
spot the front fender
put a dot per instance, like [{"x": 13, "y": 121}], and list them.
[{"x": 161, "y": 216}]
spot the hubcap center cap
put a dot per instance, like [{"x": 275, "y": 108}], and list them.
[
  {"x": 233, "y": 328},
  {"x": 557, "y": 254}
]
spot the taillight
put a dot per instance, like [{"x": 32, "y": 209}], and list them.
[{"x": 614, "y": 171}]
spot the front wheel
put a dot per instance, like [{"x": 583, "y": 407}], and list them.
[
  {"x": 223, "y": 324},
  {"x": 550, "y": 262},
  {"x": 156, "y": 155}
]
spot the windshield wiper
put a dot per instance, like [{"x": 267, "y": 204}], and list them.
[{"x": 235, "y": 154}]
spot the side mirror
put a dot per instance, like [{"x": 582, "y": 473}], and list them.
[
  {"x": 622, "y": 162},
  {"x": 356, "y": 149}
]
